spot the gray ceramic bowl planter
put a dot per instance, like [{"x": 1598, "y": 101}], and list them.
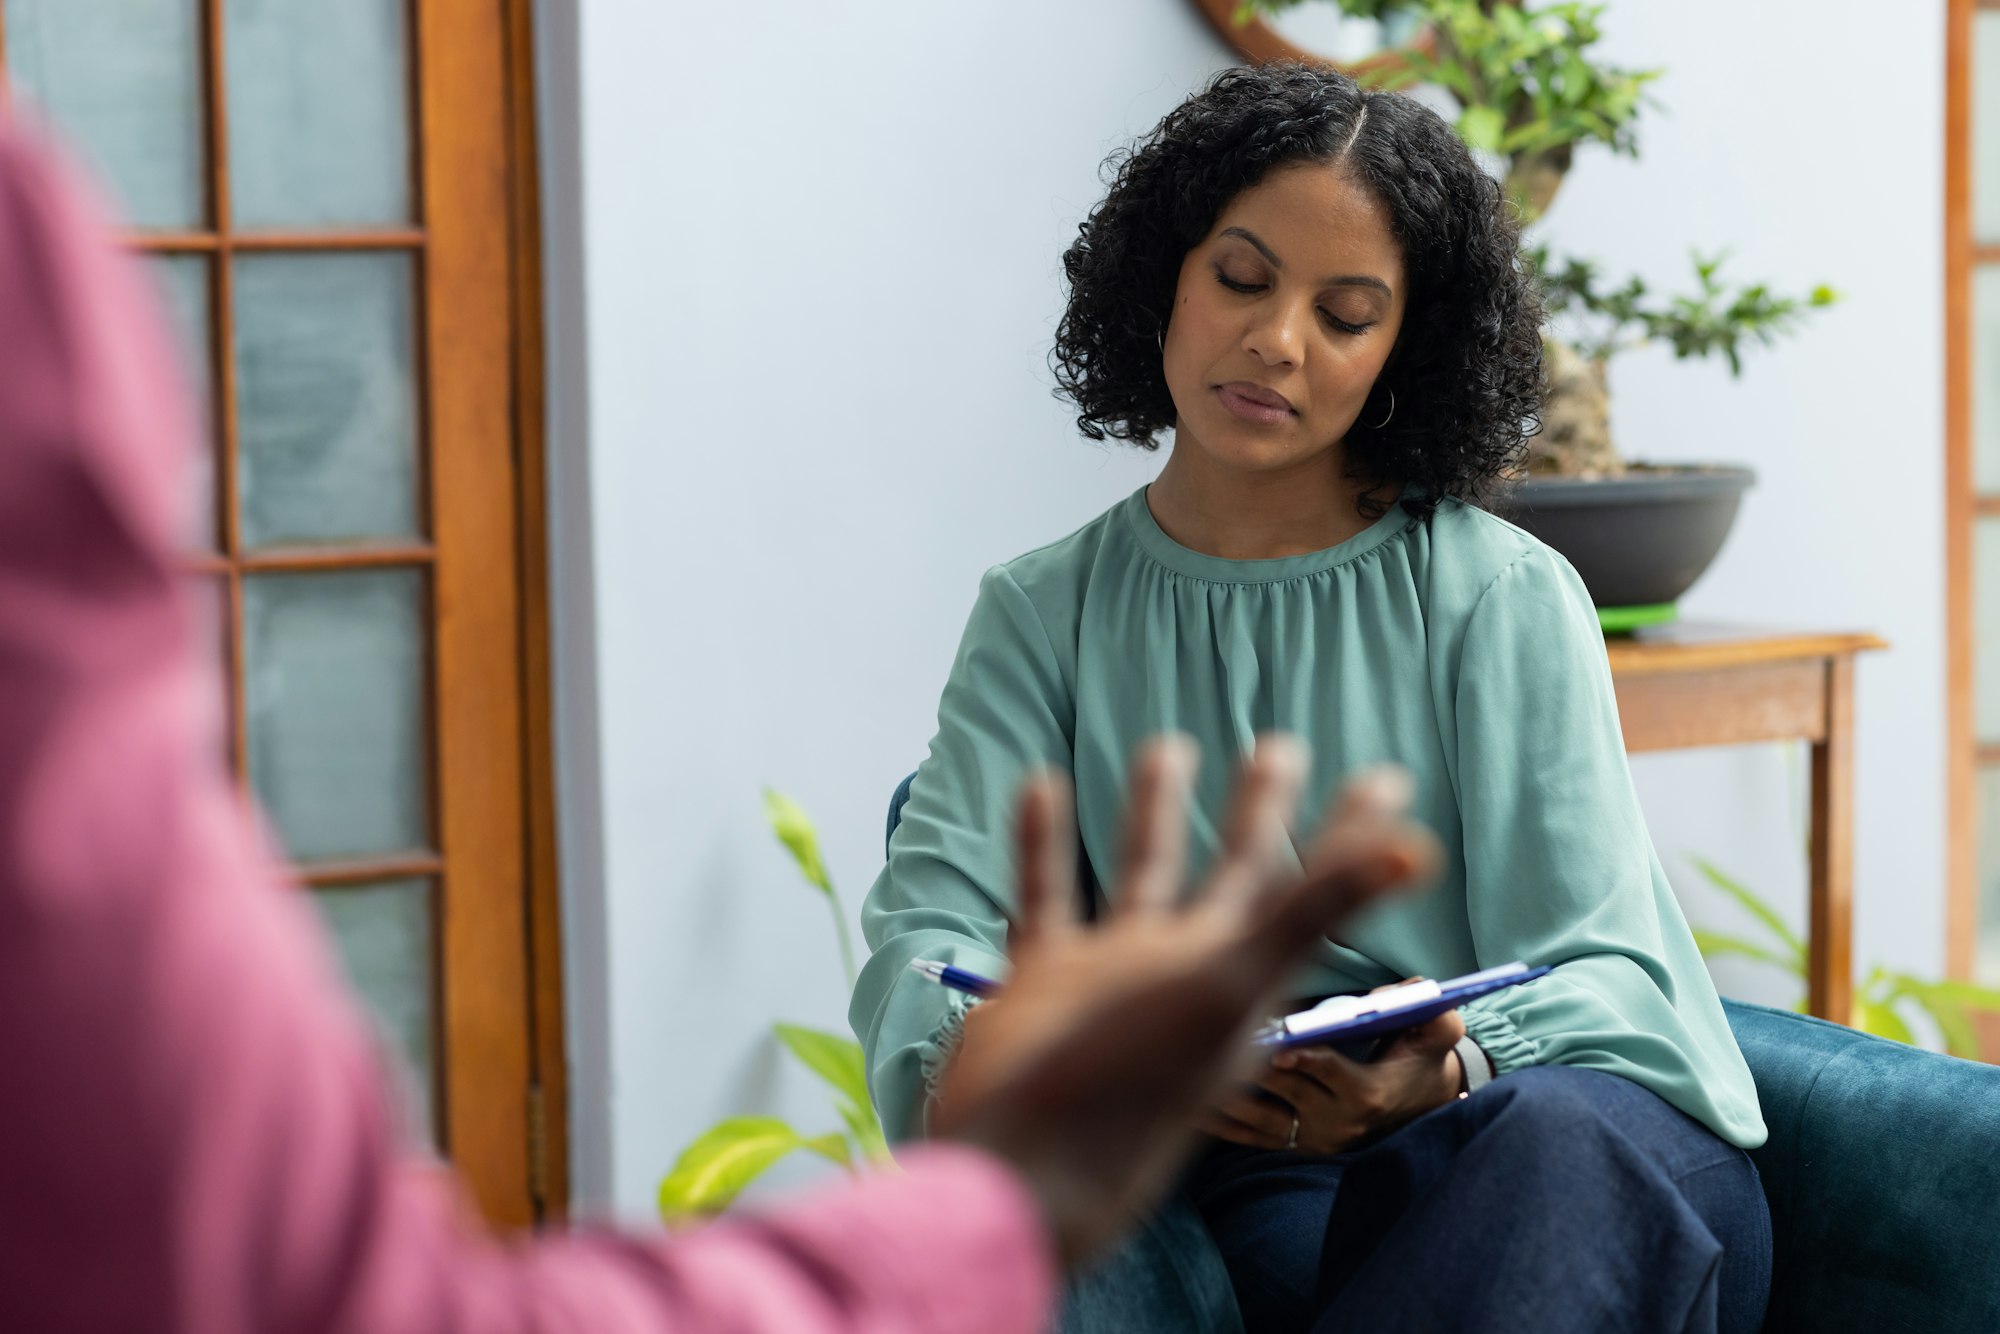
[{"x": 1640, "y": 539}]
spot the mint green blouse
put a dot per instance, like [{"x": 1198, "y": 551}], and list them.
[{"x": 1460, "y": 648}]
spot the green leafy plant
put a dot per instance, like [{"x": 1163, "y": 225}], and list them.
[
  {"x": 1529, "y": 90},
  {"x": 1525, "y": 86},
  {"x": 1886, "y": 999},
  {"x": 1716, "y": 320},
  {"x": 713, "y": 1170}
]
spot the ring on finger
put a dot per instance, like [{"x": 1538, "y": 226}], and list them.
[{"x": 1292, "y": 1140}]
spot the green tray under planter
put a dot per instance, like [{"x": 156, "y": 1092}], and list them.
[{"x": 1624, "y": 620}]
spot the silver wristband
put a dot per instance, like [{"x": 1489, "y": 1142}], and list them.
[{"x": 1473, "y": 1061}]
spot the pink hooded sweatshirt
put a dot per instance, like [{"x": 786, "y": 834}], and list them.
[{"x": 193, "y": 1132}]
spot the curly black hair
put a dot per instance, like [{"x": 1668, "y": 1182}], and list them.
[{"x": 1467, "y": 367}]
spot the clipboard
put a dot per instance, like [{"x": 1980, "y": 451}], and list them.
[{"x": 1362, "y": 1027}]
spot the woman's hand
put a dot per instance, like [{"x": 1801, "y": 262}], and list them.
[
  {"x": 1087, "y": 1070},
  {"x": 1342, "y": 1104}
]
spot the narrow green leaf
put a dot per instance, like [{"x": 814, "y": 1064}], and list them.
[
  {"x": 795, "y": 831},
  {"x": 835, "y": 1059},
  {"x": 1954, "y": 1025},
  {"x": 1482, "y": 127},
  {"x": 788, "y": 821},
  {"x": 1883, "y": 1022},
  {"x": 1453, "y": 76},
  {"x": 1968, "y": 994},
  {"x": 1531, "y": 135},
  {"x": 1394, "y": 78},
  {"x": 834, "y": 1148},
  {"x": 1753, "y": 905},
  {"x": 1715, "y": 945},
  {"x": 712, "y": 1171},
  {"x": 866, "y": 1128}
]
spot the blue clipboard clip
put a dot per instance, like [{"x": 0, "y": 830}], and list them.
[{"x": 1363, "y": 1027}]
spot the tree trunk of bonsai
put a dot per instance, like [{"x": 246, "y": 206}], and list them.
[
  {"x": 1576, "y": 418},
  {"x": 1533, "y": 179}
]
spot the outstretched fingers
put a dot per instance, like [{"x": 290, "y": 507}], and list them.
[
  {"x": 1384, "y": 789},
  {"x": 1045, "y": 853},
  {"x": 1256, "y": 834},
  {"x": 1366, "y": 849},
  {"x": 1153, "y": 861}
]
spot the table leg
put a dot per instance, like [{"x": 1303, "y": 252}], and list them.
[{"x": 1830, "y": 883}]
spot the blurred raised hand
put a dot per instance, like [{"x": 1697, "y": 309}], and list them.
[{"x": 1091, "y": 1066}]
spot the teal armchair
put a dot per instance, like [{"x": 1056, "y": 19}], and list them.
[
  {"x": 1883, "y": 1174},
  {"x": 1882, "y": 1171}
]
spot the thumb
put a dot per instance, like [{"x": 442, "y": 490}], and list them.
[
  {"x": 1350, "y": 868},
  {"x": 1434, "y": 1037}
]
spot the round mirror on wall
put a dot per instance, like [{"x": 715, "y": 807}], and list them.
[{"x": 1316, "y": 31}]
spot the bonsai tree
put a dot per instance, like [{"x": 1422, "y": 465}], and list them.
[{"x": 1529, "y": 93}]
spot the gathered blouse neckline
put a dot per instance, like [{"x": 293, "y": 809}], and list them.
[{"x": 1194, "y": 564}]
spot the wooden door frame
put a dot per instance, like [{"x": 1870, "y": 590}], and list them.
[
  {"x": 1961, "y": 502},
  {"x": 549, "y": 1130},
  {"x": 482, "y": 187}
]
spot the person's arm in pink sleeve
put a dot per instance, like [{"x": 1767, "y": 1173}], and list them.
[
  {"x": 195, "y": 1136},
  {"x": 954, "y": 1236}
]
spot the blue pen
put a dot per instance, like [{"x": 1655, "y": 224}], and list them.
[{"x": 956, "y": 978}]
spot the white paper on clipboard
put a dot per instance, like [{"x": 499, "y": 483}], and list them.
[{"x": 1343, "y": 1019}]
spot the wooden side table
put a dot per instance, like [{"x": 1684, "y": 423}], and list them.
[{"x": 1686, "y": 685}]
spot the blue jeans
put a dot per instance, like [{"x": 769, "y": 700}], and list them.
[{"x": 1556, "y": 1200}]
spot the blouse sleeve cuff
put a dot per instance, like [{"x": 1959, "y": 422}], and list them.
[
  {"x": 935, "y": 1053},
  {"x": 1505, "y": 1045}
]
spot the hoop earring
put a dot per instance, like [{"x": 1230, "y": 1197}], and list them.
[{"x": 1392, "y": 412}]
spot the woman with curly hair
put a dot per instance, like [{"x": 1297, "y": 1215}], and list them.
[{"x": 1319, "y": 291}]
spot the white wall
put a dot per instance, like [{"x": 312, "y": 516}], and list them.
[{"x": 803, "y": 279}]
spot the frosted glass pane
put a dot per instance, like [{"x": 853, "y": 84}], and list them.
[
  {"x": 326, "y": 402},
  {"x": 1986, "y": 126},
  {"x": 1987, "y": 955},
  {"x": 184, "y": 291},
  {"x": 1986, "y": 619},
  {"x": 318, "y": 112},
  {"x": 384, "y": 934},
  {"x": 1986, "y": 377},
  {"x": 334, "y": 667},
  {"x": 122, "y": 79}
]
